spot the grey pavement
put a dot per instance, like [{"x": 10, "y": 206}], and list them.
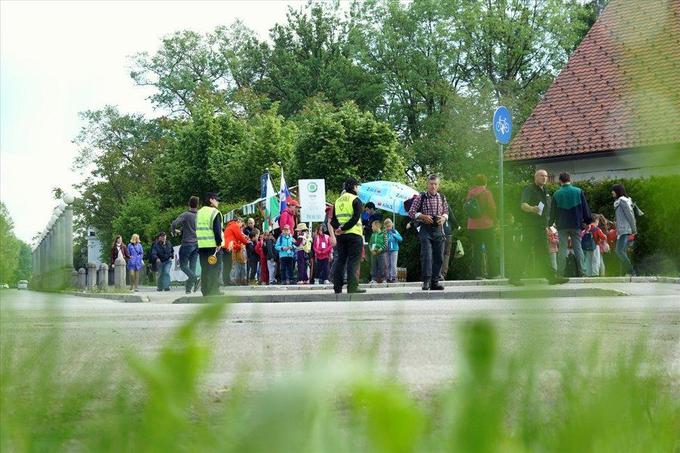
[{"x": 415, "y": 340}]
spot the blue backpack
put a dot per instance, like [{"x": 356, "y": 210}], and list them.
[{"x": 588, "y": 241}]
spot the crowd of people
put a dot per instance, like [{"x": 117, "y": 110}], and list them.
[{"x": 559, "y": 235}]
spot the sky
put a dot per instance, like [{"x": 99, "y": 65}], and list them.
[{"x": 58, "y": 58}]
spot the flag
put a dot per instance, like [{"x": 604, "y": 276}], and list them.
[
  {"x": 284, "y": 194},
  {"x": 271, "y": 207}
]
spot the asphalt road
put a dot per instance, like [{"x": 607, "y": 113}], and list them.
[{"x": 416, "y": 340}]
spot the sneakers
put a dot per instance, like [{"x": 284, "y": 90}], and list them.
[
  {"x": 355, "y": 291},
  {"x": 426, "y": 286},
  {"x": 371, "y": 282},
  {"x": 327, "y": 282}
]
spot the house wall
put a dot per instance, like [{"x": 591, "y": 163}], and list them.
[{"x": 641, "y": 163}]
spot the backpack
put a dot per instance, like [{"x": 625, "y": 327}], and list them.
[
  {"x": 472, "y": 208},
  {"x": 588, "y": 242}
]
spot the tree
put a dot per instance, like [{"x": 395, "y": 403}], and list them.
[
  {"x": 117, "y": 155},
  {"x": 336, "y": 143},
  {"x": 311, "y": 55},
  {"x": 24, "y": 262},
  {"x": 9, "y": 246}
]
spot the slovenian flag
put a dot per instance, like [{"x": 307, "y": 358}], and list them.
[
  {"x": 284, "y": 194},
  {"x": 272, "y": 209}
]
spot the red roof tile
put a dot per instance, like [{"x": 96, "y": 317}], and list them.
[{"x": 620, "y": 88}]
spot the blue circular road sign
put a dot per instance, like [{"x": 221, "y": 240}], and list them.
[{"x": 502, "y": 125}]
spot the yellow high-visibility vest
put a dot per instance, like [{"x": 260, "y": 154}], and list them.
[
  {"x": 204, "y": 227},
  {"x": 344, "y": 212}
]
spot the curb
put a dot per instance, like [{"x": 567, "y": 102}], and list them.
[
  {"x": 127, "y": 298},
  {"x": 411, "y": 295}
]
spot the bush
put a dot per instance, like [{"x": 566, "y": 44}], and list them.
[{"x": 656, "y": 251}]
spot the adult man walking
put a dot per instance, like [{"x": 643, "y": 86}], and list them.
[
  {"x": 569, "y": 212},
  {"x": 209, "y": 238},
  {"x": 188, "y": 250},
  {"x": 432, "y": 211},
  {"x": 536, "y": 204},
  {"x": 350, "y": 240}
]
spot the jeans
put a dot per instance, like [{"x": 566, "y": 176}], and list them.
[
  {"x": 622, "y": 253},
  {"x": 287, "y": 265},
  {"x": 238, "y": 272},
  {"x": 271, "y": 267},
  {"x": 391, "y": 265},
  {"x": 252, "y": 267},
  {"x": 575, "y": 236},
  {"x": 591, "y": 261},
  {"x": 431, "y": 252},
  {"x": 188, "y": 256},
  {"x": 486, "y": 238},
  {"x": 322, "y": 269},
  {"x": 164, "y": 275},
  {"x": 349, "y": 253},
  {"x": 378, "y": 266},
  {"x": 210, "y": 273}
]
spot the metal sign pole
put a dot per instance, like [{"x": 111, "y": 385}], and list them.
[{"x": 501, "y": 217}]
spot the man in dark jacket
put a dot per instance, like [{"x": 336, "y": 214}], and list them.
[
  {"x": 161, "y": 255},
  {"x": 209, "y": 236},
  {"x": 188, "y": 251},
  {"x": 346, "y": 217},
  {"x": 569, "y": 212}
]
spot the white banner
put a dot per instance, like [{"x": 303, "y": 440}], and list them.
[{"x": 312, "y": 200}]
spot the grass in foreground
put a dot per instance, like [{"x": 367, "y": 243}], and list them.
[{"x": 498, "y": 404}]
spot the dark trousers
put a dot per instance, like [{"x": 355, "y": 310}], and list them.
[
  {"x": 226, "y": 267},
  {"x": 322, "y": 269},
  {"x": 252, "y": 267},
  {"x": 432, "y": 241},
  {"x": 302, "y": 266},
  {"x": 486, "y": 238},
  {"x": 286, "y": 264},
  {"x": 210, "y": 273},
  {"x": 188, "y": 255},
  {"x": 535, "y": 244},
  {"x": 349, "y": 253}
]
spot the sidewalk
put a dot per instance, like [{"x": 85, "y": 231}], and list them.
[{"x": 458, "y": 289}]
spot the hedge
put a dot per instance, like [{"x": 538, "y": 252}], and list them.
[{"x": 657, "y": 249}]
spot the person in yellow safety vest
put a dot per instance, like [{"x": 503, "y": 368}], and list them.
[
  {"x": 209, "y": 238},
  {"x": 350, "y": 239}
]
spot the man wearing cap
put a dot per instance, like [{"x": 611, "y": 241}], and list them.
[
  {"x": 350, "y": 240},
  {"x": 209, "y": 237},
  {"x": 289, "y": 216}
]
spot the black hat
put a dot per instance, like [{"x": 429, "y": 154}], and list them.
[
  {"x": 212, "y": 195},
  {"x": 370, "y": 205}
]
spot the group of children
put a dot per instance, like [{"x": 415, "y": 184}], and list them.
[
  {"x": 299, "y": 257},
  {"x": 597, "y": 239}
]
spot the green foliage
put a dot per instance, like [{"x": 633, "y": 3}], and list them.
[
  {"x": 338, "y": 143},
  {"x": 9, "y": 247},
  {"x": 655, "y": 228},
  {"x": 518, "y": 401},
  {"x": 24, "y": 262}
]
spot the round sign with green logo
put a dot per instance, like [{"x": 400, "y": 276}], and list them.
[{"x": 312, "y": 187}]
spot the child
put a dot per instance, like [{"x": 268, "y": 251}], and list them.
[
  {"x": 272, "y": 257},
  {"x": 553, "y": 246},
  {"x": 322, "y": 251},
  {"x": 286, "y": 248},
  {"x": 302, "y": 247},
  {"x": 392, "y": 252},
  {"x": 262, "y": 255},
  {"x": 234, "y": 242},
  {"x": 253, "y": 257},
  {"x": 591, "y": 237},
  {"x": 377, "y": 245}
]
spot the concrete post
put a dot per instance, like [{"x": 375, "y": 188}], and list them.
[
  {"x": 119, "y": 273},
  {"x": 82, "y": 278},
  {"x": 91, "y": 275},
  {"x": 68, "y": 235},
  {"x": 74, "y": 279},
  {"x": 103, "y": 276}
]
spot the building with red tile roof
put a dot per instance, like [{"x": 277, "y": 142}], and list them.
[{"x": 614, "y": 110}]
